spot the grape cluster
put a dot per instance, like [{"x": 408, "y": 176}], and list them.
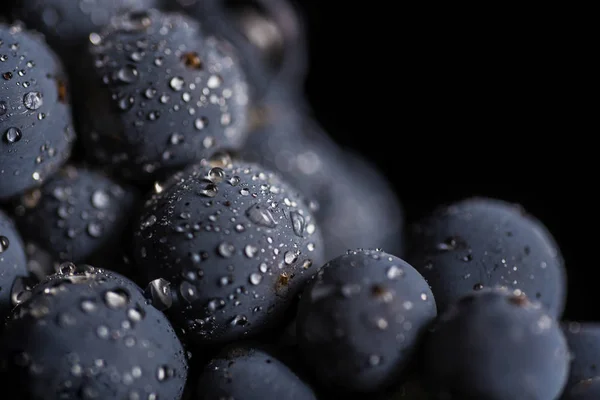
[{"x": 175, "y": 224}]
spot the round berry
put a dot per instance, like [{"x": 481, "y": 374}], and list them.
[
  {"x": 90, "y": 334},
  {"x": 77, "y": 215},
  {"x": 245, "y": 372},
  {"x": 481, "y": 242},
  {"x": 269, "y": 35},
  {"x": 583, "y": 339},
  {"x": 360, "y": 321},
  {"x": 67, "y": 24},
  {"x": 496, "y": 344},
  {"x": 235, "y": 244},
  {"x": 36, "y": 131},
  {"x": 162, "y": 94}
]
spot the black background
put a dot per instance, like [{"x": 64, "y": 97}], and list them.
[{"x": 451, "y": 104}]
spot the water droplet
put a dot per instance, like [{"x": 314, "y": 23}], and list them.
[
  {"x": 381, "y": 323},
  {"x": 255, "y": 278},
  {"x": 477, "y": 286},
  {"x": 12, "y": 135},
  {"x": 136, "y": 56},
  {"x": 150, "y": 92},
  {"x": 159, "y": 294},
  {"x": 200, "y": 123},
  {"x": 374, "y": 360},
  {"x": 210, "y": 190},
  {"x": 216, "y": 174},
  {"x": 125, "y": 103},
  {"x": 117, "y": 298},
  {"x": 176, "y": 83},
  {"x": 394, "y": 272},
  {"x": 128, "y": 74},
  {"x": 298, "y": 223},
  {"x": 7, "y": 76},
  {"x": 33, "y": 100},
  {"x": 214, "y": 81},
  {"x": 95, "y": 229},
  {"x": 225, "y": 280},
  {"x": 164, "y": 372},
  {"x": 88, "y": 306},
  {"x": 290, "y": 257},
  {"x": 239, "y": 320},
  {"x": 216, "y": 304},
  {"x": 250, "y": 251},
  {"x": 225, "y": 119},
  {"x": 208, "y": 142},
  {"x": 188, "y": 291},
  {"x": 100, "y": 199},
  {"x": 263, "y": 267},
  {"x": 450, "y": 243},
  {"x": 20, "y": 291},
  {"x": 3, "y": 108},
  {"x": 226, "y": 250},
  {"x": 102, "y": 332},
  {"x": 148, "y": 222},
  {"x": 234, "y": 180},
  {"x": 67, "y": 268},
  {"x": 4, "y": 243},
  {"x": 153, "y": 115},
  {"x": 260, "y": 215}
]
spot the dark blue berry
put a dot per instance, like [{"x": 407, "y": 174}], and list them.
[
  {"x": 269, "y": 34},
  {"x": 162, "y": 94},
  {"x": 496, "y": 344},
  {"x": 583, "y": 339},
  {"x": 90, "y": 334},
  {"x": 35, "y": 117},
  {"x": 78, "y": 215},
  {"x": 481, "y": 242},
  {"x": 245, "y": 372},
  {"x": 234, "y": 243},
  {"x": 360, "y": 321},
  {"x": 67, "y": 24}
]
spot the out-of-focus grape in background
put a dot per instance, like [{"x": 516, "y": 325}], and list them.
[{"x": 451, "y": 103}]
